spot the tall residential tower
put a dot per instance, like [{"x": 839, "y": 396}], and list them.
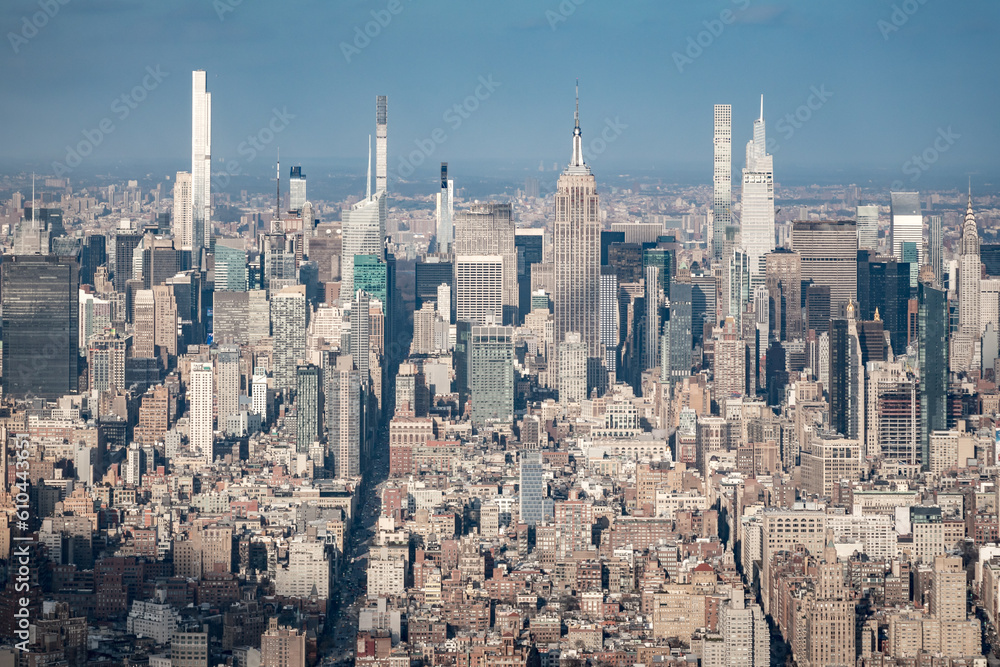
[
  {"x": 201, "y": 166},
  {"x": 723, "y": 176}
]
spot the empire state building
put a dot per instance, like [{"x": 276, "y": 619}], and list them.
[{"x": 577, "y": 247}]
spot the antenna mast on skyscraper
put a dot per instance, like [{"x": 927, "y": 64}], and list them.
[{"x": 277, "y": 201}]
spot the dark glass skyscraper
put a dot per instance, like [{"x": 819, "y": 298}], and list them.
[
  {"x": 884, "y": 285},
  {"x": 40, "y": 322},
  {"x": 932, "y": 354},
  {"x": 529, "y": 252}
]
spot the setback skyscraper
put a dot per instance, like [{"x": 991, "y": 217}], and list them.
[
  {"x": 757, "y": 210},
  {"x": 577, "y": 248},
  {"x": 488, "y": 229}
]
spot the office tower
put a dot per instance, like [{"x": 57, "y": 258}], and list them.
[
  {"x": 868, "y": 228},
  {"x": 577, "y": 246},
  {"x": 363, "y": 234},
  {"x": 817, "y": 308},
  {"x": 93, "y": 255},
  {"x": 288, "y": 319},
  {"x": 703, "y": 299},
  {"x": 201, "y": 394},
  {"x": 572, "y": 369},
  {"x": 258, "y": 393},
  {"x": 723, "y": 177},
  {"x": 829, "y": 251},
  {"x": 308, "y": 406},
  {"x": 479, "y": 288},
  {"x": 159, "y": 261},
  {"x": 361, "y": 332},
  {"x": 757, "y": 198},
  {"x": 607, "y": 239},
  {"x": 884, "y": 287},
  {"x": 676, "y": 363},
  {"x": 783, "y": 278},
  {"x": 528, "y": 243},
  {"x": 144, "y": 309},
  {"x": 488, "y": 229},
  {"x": 736, "y": 292},
  {"x": 230, "y": 265},
  {"x": 532, "y": 489},
  {"x": 227, "y": 369},
  {"x": 969, "y": 272},
  {"x": 430, "y": 273},
  {"x": 41, "y": 320},
  {"x": 892, "y": 422},
  {"x": 280, "y": 256},
  {"x": 932, "y": 357},
  {"x": 906, "y": 224},
  {"x": 286, "y": 646},
  {"x": 729, "y": 363},
  {"x": 201, "y": 166},
  {"x": 371, "y": 274},
  {"x": 830, "y": 625},
  {"x": 183, "y": 223},
  {"x": 443, "y": 304},
  {"x": 846, "y": 378},
  {"x": 297, "y": 194},
  {"x": 381, "y": 143},
  {"x": 125, "y": 245},
  {"x": 654, "y": 302},
  {"x": 445, "y": 212},
  {"x": 935, "y": 247},
  {"x": 610, "y": 329},
  {"x": 491, "y": 374},
  {"x": 343, "y": 416},
  {"x": 626, "y": 261},
  {"x": 949, "y": 591}
]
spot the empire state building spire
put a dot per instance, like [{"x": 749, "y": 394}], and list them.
[{"x": 576, "y": 164}]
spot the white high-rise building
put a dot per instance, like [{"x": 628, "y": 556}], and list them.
[
  {"x": 201, "y": 393},
  {"x": 361, "y": 334},
  {"x": 746, "y": 640},
  {"x": 444, "y": 301},
  {"x": 906, "y": 224},
  {"x": 610, "y": 318},
  {"x": 577, "y": 250},
  {"x": 488, "y": 229},
  {"x": 309, "y": 571},
  {"x": 381, "y": 143},
  {"x": 868, "y": 228},
  {"x": 183, "y": 211},
  {"x": 445, "y": 211},
  {"x": 201, "y": 165},
  {"x": 479, "y": 289},
  {"x": 757, "y": 206},
  {"x": 722, "y": 177},
  {"x": 259, "y": 393}
]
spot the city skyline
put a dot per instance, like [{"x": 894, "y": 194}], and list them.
[{"x": 662, "y": 127}]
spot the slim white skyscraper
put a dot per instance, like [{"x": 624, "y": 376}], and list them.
[
  {"x": 868, "y": 228},
  {"x": 201, "y": 165},
  {"x": 445, "y": 211},
  {"x": 381, "y": 143},
  {"x": 201, "y": 393},
  {"x": 577, "y": 250},
  {"x": 182, "y": 210},
  {"x": 479, "y": 288},
  {"x": 297, "y": 193},
  {"x": 343, "y": 416},
  {"x": 488, "y": 229},
  {"x": 259, "y": 393},
  {"x": 722, "y": 177},
  {"x": 227, "y": 366},
  {"x": 757, "y": 212},
  {"x": 906, "y": 224}
]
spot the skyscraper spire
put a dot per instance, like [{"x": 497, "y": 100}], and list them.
[
  {"x": 368, "y": 190},
  {"x": 577, "y": 161},
  {"x": 762, "y": 106}
]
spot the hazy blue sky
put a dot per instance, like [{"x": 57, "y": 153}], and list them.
[{"x": 892, "y": 88}]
